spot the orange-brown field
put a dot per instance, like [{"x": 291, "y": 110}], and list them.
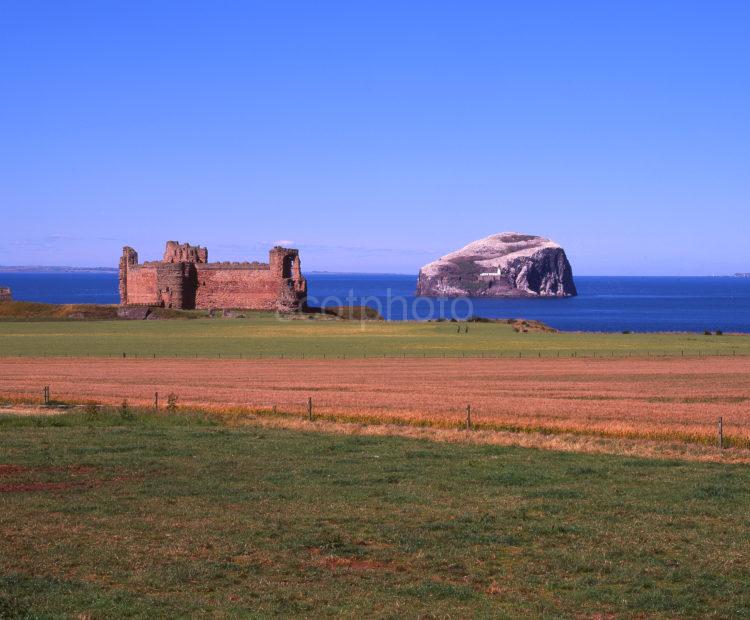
[{"x": 657, "y": 399}]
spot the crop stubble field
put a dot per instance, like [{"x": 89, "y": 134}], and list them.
[{"x": 661, "y": 399}]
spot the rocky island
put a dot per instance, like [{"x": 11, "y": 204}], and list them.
[{"x": 502, "y": 265}]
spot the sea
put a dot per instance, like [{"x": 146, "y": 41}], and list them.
[{"x": 605, "y": 304}]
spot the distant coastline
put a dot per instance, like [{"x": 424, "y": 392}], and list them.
[
  {"x": 66, "y": 269},
  {"x": 53, "y": 269}
]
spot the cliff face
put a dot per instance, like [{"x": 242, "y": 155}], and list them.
[{"x": 502, "y": 265}]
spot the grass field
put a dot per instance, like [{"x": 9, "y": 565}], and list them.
[
  {"x": 177, "y": 516},
  {"x": 266, "y": 336},
  {"x": 243, "y": 510}
]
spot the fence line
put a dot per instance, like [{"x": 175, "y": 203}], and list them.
[
  {"x": 506, "y": 354},
  {"x": 699, "y": 431}
]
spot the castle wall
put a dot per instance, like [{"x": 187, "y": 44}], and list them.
[
  {"x": 236, "y": 288},
  {"x": 141, "y": 286}
]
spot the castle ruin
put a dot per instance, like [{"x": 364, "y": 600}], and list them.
[{"x": 185, "y": 279}]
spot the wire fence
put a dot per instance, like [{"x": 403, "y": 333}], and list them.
[
  {"x": 701, "y": 427},
  {"x": 504, "y": 354}
]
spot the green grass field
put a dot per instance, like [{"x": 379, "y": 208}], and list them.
[
  {"x": 157, "y": 516},
  {"x": 265, "y": 335}
]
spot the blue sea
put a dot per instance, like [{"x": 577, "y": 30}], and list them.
[{"x": 644, "y": 304}]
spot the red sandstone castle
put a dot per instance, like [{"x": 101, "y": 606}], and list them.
[{"x": 185, "y": 279}]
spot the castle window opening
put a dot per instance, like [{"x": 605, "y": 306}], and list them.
[{"x": 287, "y": 268}]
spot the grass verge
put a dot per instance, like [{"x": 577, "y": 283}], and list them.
[
  {"x": 265, "y": 335},
  {"x": 182, "y": 516}
]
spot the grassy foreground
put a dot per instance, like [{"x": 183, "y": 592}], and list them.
[
  {"x": 267, "y": 336},
  {"x": 178, "y": 516}
]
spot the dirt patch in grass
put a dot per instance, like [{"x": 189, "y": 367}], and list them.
[
  {"x": 337, "y": 562},
  {"x": 25, "y": 487},
  {"x": 22, "y": 479},
  {"x": 10, "y": 470}
]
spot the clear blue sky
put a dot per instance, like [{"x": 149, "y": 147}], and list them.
[{"x": 376, "y": 136}]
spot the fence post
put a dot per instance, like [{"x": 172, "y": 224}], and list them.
[
  {"x": 156, "y": 401},
  {"x": 309, "y": 409},
  {"x": 721, "y": 433},
  {"x": 468, "y": 417}
]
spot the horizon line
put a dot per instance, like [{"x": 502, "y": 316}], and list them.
[{"x": 58, "y": 268}]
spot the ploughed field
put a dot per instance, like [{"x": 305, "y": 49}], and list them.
[
  {"x": 263, "y": 335},
  {"x": 538, "y": 401},
  {"x": 122, "y": 514}
]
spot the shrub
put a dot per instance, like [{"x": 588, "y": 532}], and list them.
[
  {"x": 91, "y": 409},
  {"x": 125, "y": 412}
]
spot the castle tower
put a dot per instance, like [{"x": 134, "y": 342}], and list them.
[
  {"x": 177, "y": 252},
  {"x": 286, "y": 266},
  {"x": 128, "y": 259},
  {"x": 176, "y": 276},
  {"x": 176, "y": 284}
]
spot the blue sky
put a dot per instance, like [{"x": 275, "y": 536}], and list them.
[{"x": 376, "y": 136}]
